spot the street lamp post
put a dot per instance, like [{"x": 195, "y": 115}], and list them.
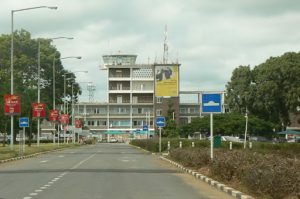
[
  {"x": 65, "y": 93},
  {"x": 54, "y": 58},
  {"x": 72, "y": 100},
  {"x": 12, "y": 62},
  {"x": 245, "y": 139}
]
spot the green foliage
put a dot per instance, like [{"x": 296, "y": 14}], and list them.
[
  {"x": 230, "y": 124},
  {"x": 270, "y": 91},
  {"x": 25, "y": 74},
  {"x": 269, "y": 175},
  {"x": 171, "y": 129}
]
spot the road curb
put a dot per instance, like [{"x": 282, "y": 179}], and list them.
[{"x": 216, "y": 184}]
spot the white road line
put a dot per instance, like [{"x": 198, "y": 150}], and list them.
[
  {"x": 43, "y": 161},
  {"x": 45, "y": 187},
  {"x": 80, "y": 163},
  {"x": 61, "y": 156},
  {"x": 125, "y": 160},
  {"x": 27, "y": 197},
  {"x": 38, "y": 190},
  {"x": 33, "y": 194}
]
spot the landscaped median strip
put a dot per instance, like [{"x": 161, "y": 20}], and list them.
[
  {"x": 216, "y": 184},
  {"x": 28, "y": 156}
]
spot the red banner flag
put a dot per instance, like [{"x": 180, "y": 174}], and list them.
[
  {"x": 78, "y": 124},
  {"x": 38, "y": 109},
  {"x": 53, "y": 115},
  {"x": 64, "y": 119},
  {"x": 12, "y": 104}
]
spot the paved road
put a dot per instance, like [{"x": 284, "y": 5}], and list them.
[{"x": 108, "y": 171}]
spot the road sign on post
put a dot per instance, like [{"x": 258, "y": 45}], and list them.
[
  {"x": 160, "y": 121},
  {"x": 145, "y": 128},
  {"x": 211, "y": 103},
  {"x": 24, "y": 122}
]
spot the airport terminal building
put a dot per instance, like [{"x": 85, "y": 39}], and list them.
[{"x": 136, "y": 95}]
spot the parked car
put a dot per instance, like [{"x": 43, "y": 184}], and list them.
[{"x": 113, "y": 140}]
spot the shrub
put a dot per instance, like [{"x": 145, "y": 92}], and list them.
[{"x": 191, "y": 157}]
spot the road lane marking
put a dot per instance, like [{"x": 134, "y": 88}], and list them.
[
  {"x": 43, "y": 161},
  {"x": 27, "y": 197},
  {"x": 80, "y": 163},
  {"x": 38, "y": 190},
  {"x": 125, "y": 160},
  {"x": 33, "y": 194},
  {"x": 61, "y": 156}
]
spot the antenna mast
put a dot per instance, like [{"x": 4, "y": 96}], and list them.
[
  {"x": 91, "y": 88},
  {"x": 166, "y": 54}
]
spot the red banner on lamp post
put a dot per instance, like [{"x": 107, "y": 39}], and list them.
[
  {"x": 53, "y": 115},
  {"x": 12, "y": 104},
  {"x": 64, "y": 119},
  {"x": 78, "y": 124},
  {"x": 38, "y": 110}
]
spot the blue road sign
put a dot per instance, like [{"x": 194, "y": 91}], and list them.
[
  {"x": 145, "y": 128},
  {"x": 24, "y": 122},
  {"x": 211, "y": 103},
  {"x": 160, "y": 121}
]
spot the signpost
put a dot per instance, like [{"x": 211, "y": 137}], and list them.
[
  {"x": 23, "y": 122},
  {"x": 160, "y": 122},
  {"x": 64, "y": 120},
  {"x": 12, "y": 106},
  {"x": 211, "y": 103}
]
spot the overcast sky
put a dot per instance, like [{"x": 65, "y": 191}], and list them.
[{"x": 209, "y": 37}]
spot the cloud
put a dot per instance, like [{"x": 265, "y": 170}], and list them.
[{"x": 209, "y": 38}]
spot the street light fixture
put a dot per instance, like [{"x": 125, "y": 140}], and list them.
[
  {"x": 245, "y": 139},
  {"x": 65, "y": 93},
  {"x": 54, "y": 58},
  {"x": 12, "y": 62},
  {"x": 72, "y": 100},
  {"x": 65, "y": 85}
]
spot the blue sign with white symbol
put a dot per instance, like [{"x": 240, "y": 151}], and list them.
[
  {"x": 211, "y": 103},
  {"x": 145, "y": 128},
  {"x": 24, "y": 122},
  {"x": 160, "y": 121}
]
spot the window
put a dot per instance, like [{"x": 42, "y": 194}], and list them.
[
  {"x": 90, "y": 123},
  {"x": 96, "y": 110},
  {"x": 158, "y": 100},
  {"x": 101, "y": 123},
  {"x": 182, "y": 110},
  {"x": 193, "y": 110},
  {"x": 137, "y": 123},
  {"x": 158, "y": 112}
]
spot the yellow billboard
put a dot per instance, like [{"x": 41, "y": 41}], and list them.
[{"x": 166, "y": 81}]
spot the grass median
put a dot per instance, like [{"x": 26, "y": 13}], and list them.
[{"x": 6, "y": 152}]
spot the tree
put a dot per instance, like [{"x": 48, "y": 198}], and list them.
[
  {"x": 230, "y": 124},
  {"x": 170, "y": 130},
  {"x": 270, "y": 91},
  {"x": 25, "y": 73}
]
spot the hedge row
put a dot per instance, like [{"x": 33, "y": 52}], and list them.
[
  {"x": 266, "y": 176},
  {"x": 267, "y": 171}
]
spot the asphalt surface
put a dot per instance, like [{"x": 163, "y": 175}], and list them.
[{"x": 108, "y": 171}]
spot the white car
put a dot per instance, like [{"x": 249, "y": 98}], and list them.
[{"x": 113, "y": 140}]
